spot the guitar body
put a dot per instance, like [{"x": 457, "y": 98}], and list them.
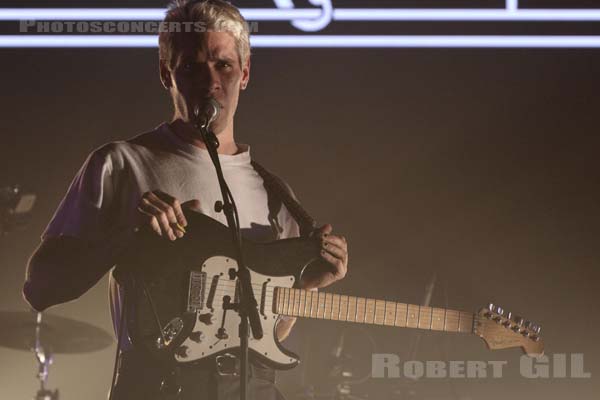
[{"x": 182, "y": 286}]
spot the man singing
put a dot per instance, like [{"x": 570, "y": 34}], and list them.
[{"x": 147, "y": 181}]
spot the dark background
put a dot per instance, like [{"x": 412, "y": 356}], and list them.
[{"x": 479, "y": 166}]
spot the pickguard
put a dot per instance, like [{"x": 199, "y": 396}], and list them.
[{"x": 215, "y": 330}]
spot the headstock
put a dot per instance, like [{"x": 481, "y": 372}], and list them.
[{"x": 501, "y": 330}]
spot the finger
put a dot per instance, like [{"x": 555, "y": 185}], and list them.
[
  {"x": 155, "y": 225},
  {"x": 191, "y": 205},
  {"x": 164, "y": 207},
  {"x": 169, "y": 213},
  {"x": 175, "y": 206},
  {"x": 339, "y": 241},
  {"x": 150, "y": 220},
  {"x": 339, "y": 268},
  {"x": 151, "y": 208},
  {"x": 324, "y": 230},
  {"x": 336, "y": 251}
]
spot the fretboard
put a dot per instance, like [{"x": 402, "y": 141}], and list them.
[{"x": 337, "y": 307}]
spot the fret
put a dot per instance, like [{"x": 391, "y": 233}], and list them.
[
  {"x": 298, "y": 301},
  {"x": 412, "y": 316},
  {"x": 465, "y": 322},
  {"x": 360, "y": 309},
  {"x": 321, "y": 305},
  {"x": 352, "y": 301},
  {"x": 369, "y": 311},
  {"x": 401, "y": 312},
  {"x": 343, "y": 308},
  {"x": 306, "y": 304},
  {"x": 438, "y": 315},
  {"x": 314, "y": 301},
  {"x": 379, "y": 312},
  {"x": 335, "y": 307},
  {"x": 390, "y": 313},
  {"x": 425, "y": 317},
  {"x": 279, "y": 301},
  {"x": 301, "y": 303},
  {"x": 286, "y": 301},
  {"x": 299, "y": 295},
  {"x": 328, "y": 306},
  {"x": 451, "y": 323},
  {"x": 293, "y": 293},
  {"x": 291, "y": 301}
]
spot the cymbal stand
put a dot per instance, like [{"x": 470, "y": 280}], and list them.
[{"x": 44, "y": 359}]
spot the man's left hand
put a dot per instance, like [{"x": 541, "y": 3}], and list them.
[{"x": 334, "y": 254}]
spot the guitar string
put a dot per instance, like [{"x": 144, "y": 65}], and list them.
[
  {"x": 296, "y": 308},
  {"x": 270, "y": 296},
  {"x": 229, "y": 287},
  {"x": 270, "y": 292},
  {"x": 295, "y": 304}
]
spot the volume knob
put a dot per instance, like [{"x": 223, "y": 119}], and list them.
[
  {"x": 197, "y": 336},
  {"x": 207, "y": 318},
  {"x": 182, "y": 351}
]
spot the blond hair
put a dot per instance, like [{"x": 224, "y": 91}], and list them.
[{"x": 215, "y": 15}]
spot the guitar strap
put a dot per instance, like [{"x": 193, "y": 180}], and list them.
[{"x": 279, "y": 193}]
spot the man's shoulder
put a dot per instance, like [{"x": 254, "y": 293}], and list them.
[{"x": 119, "y": 150}]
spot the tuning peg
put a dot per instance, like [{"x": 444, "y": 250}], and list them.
[
  {"x": 537, "y": 329},
  {"x": 518, "y": 323},
  {"x": 527, "y": 324},
  {"x": 500, "y": 311},
  {"x": 509, "y": 315},
  {"x": 492, "y": 307}
]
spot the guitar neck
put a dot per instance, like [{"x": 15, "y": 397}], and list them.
[{"x": 312, "y": 304}]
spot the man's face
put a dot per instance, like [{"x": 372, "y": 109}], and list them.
[{"x": 205, "y": 66}]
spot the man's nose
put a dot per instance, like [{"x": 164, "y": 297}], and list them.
[{"x": 213, "y": 79}]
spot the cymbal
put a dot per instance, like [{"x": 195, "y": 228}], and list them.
[{"x": 57, "y": 334}]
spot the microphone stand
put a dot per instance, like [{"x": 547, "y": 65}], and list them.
[{"x": 247, "y": 305}]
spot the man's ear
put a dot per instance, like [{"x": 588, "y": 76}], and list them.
[
  {"x": 165, "y": 74},
  {"x": 245, "y": 75}
]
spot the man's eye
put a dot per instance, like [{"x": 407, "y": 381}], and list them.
[
  {"x": 187, "y": 66},
  {"x": 223, "y": 64}
]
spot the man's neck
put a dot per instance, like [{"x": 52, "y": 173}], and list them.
[{"x": 190, "y": 135}]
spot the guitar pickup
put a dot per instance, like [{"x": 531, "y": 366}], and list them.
[
  {"x": 212, "y": 291},
  {"x": 263, "y": 297},
  {"x": 196, "y": 290}
]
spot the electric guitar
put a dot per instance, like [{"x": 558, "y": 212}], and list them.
[{"x": 181, "y": 295}]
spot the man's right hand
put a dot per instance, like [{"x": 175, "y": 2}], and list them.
[{"x": 164, "y": 214}]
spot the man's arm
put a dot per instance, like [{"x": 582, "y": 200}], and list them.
[
  {"x": 334, "y": 254},
  {"x": 61, "y": 269}
]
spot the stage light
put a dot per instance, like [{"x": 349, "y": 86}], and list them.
[{"x": 288, "y": 41}]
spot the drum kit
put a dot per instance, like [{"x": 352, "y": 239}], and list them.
[
  {"x": 42, "y": 333},
  {"x": 46, "y": 335}
]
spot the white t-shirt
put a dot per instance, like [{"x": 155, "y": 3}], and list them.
[{"x": 103, "y": 198}]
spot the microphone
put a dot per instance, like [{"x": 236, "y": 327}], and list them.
[{"x": 205, "y": 116}]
